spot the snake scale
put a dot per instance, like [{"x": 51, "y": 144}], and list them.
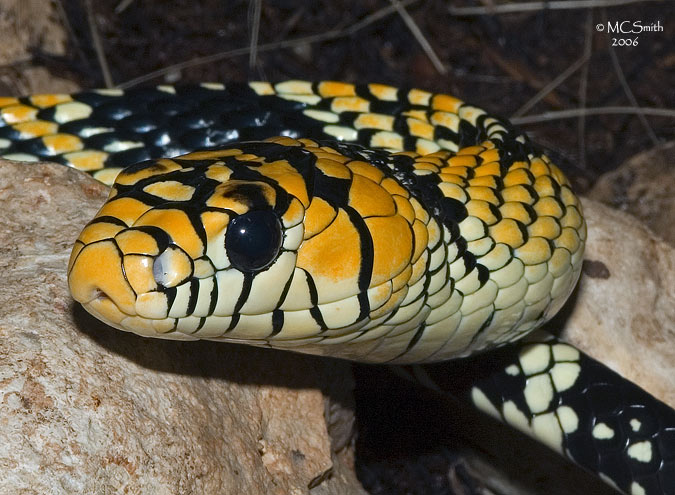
[{"x": 380, "y": 225}]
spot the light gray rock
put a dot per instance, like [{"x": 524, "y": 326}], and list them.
[
  {"x": 623, "y": 313},
  {"x": 86, "y": 409},
  {"x": 644, "y": 186}
]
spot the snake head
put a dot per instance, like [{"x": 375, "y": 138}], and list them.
[
  {"x": 298, "y": 244},
  {"x": 268, "y": 243},
  {"x": 181, "y": 244},
  {"x": 284, "y": 243}
]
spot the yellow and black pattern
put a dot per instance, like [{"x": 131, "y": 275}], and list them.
[
  {"x": 467, "y": 239},
  {"x": 573, "y": 404},
  {"x": 379, "y": 257},
  {"x": 102, "y": 131},
  {"x": 383, "y": 225}
]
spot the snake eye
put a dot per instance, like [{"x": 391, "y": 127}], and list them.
[{"x": 253, "y": 240}]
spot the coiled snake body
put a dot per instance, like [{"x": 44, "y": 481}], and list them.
[{"x": 385, "y": 225}]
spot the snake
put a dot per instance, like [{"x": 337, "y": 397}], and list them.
[{"x": 364, "y": 222}]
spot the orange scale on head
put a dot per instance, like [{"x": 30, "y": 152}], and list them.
[
  {"x": 138, "y": 272},
  {"x": 131, "y": 176},
  {"x": 284, "y": 140},
  {"x": 287, "y": 177},
  {"x": 178, "y": 226},
  {"x": 126, "y": 209},
  {"x": 402, "y": 279},
  {"x": 98, "y": 231},
  {"x": 226, "y": 196},
  {"x": 333, "y": 259},
  {"x": 214, "y": 222},
  {"x": 170, "y": 190},
  {"x": 219, "y": 172},
  {"x": 211, "y": 155},
  {"x": 394, "y": 300},
  {"x": 137, "y": 242},
  {"x": 294, "y": 214},
  {"x": 318, "y": 216},
  {"x": 97, "y": 271}
]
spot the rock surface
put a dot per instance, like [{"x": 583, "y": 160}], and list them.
[
  {"x": 644, "y": 186},
  {"x": 85, "y": 409},
  {"x": 32, "y": 30},
  {"x": 623, "y": 312}
]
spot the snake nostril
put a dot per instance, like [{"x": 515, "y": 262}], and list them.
[{"x": 100, "y": 294}]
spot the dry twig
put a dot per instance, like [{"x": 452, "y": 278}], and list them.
[
  {"x": 583, "y": 90},
  {"x": 98, "y": 46},
  {"x": 628, "y": 92},
  {"x": 577, "y": 112},
  {"x": 256, "y": 7},
  {"x": 509, "y": 8},
  {"x": 541, "y": 94},
  {"x": 419, "y": 36},
  {"x": 315, "y": 38}
]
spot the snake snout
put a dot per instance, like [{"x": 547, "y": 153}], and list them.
[{"x": 97, "y": 281}]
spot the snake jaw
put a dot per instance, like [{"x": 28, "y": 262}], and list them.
[
  {"x": 117, "y": 288},
  {"x": 96, "y": 280}
]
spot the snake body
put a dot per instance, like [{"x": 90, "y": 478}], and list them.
[{"x": 384, "y": 225}]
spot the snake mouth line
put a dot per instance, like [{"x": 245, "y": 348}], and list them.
[{"x": 99, "y": 295}]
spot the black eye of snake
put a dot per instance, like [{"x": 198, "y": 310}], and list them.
[{"x": 253, "y": 240}]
